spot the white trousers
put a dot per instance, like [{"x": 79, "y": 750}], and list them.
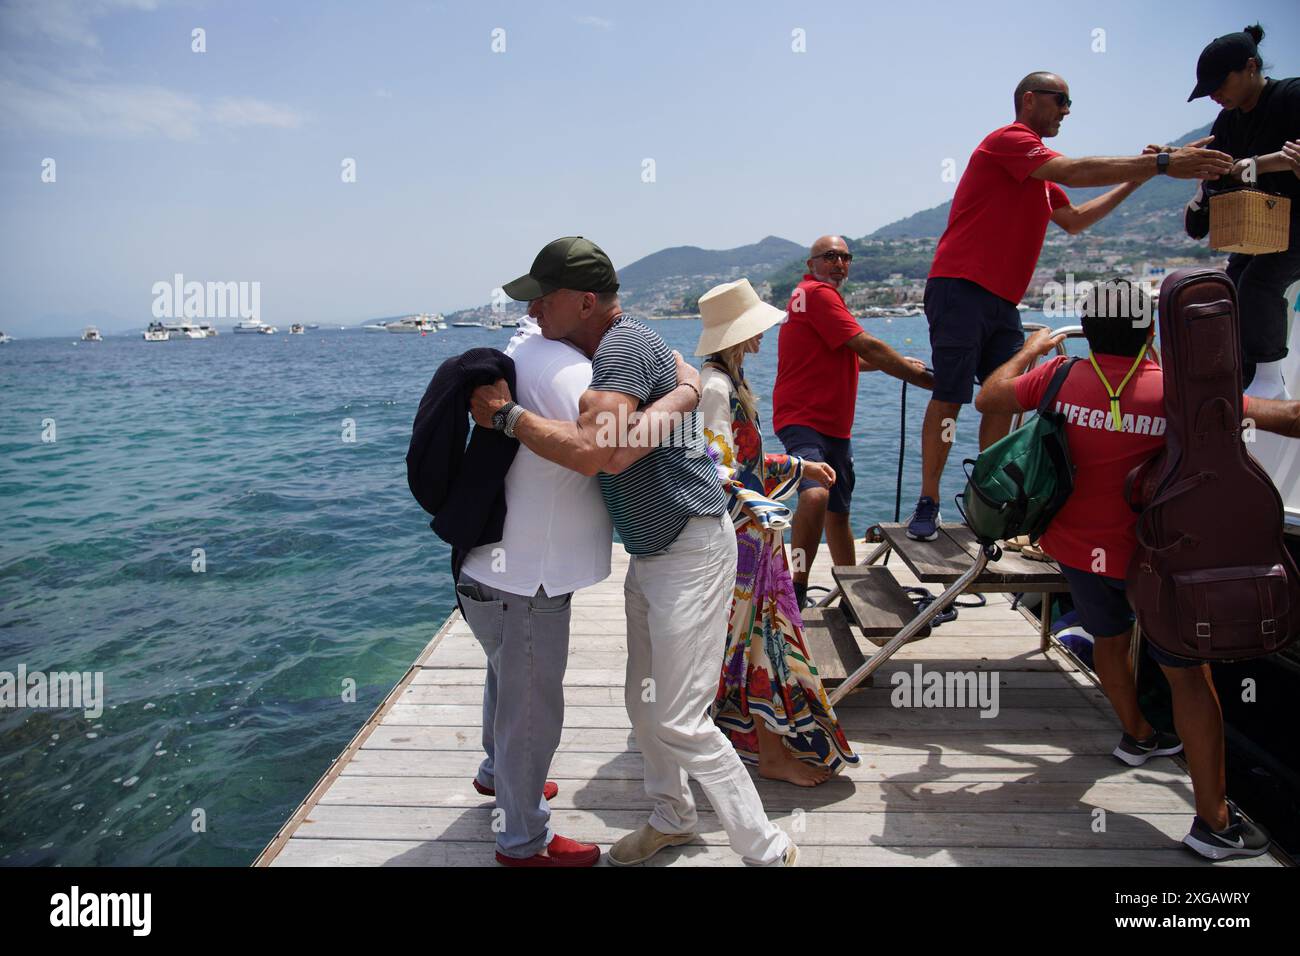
[{"x": 677, "y": 606}]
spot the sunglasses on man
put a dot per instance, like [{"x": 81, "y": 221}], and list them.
[
  {"x": 836, "y": 256},
  {"x": 1061, "y": 98}
]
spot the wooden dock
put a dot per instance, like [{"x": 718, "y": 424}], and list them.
[{"x": 1033, "y": 786}]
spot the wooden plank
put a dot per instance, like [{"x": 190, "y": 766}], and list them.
[
  {"x": 1069, "y": 829},
  {"x": 321, "y": 852},
  {"x": 994, "y": 744},
  {"x": 945, "y": 559},
  {"x": 831, "y": 644},
  {"x": 578, "y": 767},
  {"x": 576, "y": 677},
  {"x": 1061, "y": 695},
  {"x": 877, "y": 603},
  {"x": 852, "y": 719}
]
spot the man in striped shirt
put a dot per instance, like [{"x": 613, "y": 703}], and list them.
[{"x": 669, "y": 509}]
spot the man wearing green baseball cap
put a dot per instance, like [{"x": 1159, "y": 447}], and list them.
[{"x": 670, "y": 511}]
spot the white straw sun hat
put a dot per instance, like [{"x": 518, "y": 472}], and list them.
[{"x": 732, "y": 313}]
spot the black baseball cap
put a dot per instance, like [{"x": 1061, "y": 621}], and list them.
[
  {"x": 1220, "y": 57},
  {"x": 569, "y": 263}
]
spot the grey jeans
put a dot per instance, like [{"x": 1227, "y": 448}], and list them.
[{"x": 527, "y": 645}]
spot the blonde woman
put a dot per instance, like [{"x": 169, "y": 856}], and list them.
[{"x": 770, "y": 701}]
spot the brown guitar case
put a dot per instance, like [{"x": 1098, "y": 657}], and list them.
[{"x": 1211, "y": 579}]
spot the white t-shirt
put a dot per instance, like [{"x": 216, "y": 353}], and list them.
[{"x": 557, "y": 534}]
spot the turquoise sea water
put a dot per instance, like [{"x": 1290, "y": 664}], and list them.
[{"x": 224, "y": 690}]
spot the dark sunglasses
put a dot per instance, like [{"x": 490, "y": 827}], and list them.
[
  {"x": 833, "y": 256},
  {"x": 1061, "y": 98}
]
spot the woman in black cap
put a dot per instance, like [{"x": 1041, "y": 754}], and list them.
[{"x": 1259, "y": 124}]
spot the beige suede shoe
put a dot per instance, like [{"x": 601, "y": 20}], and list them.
[{"x": 644, "y": 842}]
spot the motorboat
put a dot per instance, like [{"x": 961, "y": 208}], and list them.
[
  {"x": 296, "y": 329},
  {"x": 4, "y": 338},
  {"x": 91, "y": 334},
  {"x": 374, "y": 327},
  {"x": 156, "y": 332},
  {"x": 255, "y": 326},
  {"x": 421, "y": 324},
  {"x": 208, "y": 329},
  {"x": 185, "y": 330}
]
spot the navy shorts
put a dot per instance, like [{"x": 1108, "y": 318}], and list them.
[
  {"x": 1105, "y": 612},
  {"x": 809, "y": 443},
  {"x": 972, "y": 333}
]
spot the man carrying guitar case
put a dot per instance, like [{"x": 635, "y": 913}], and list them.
[{"x": 1118, "y": 417}]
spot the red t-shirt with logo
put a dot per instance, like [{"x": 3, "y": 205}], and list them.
[
  {"x": 999, "y": 214},
  {"x": 1094, "y": 531},
  {"x": 816, "y": 374}
]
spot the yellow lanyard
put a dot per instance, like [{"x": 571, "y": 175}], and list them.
[{"x": 1114, "y": 393}]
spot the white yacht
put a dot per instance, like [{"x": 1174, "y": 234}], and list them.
[
  {"x": 440, "y": 322},
  {"x": 466, "y": 325},
  {"x": 255, "y": 325},
  {"x": 411, "y": 324},
  {"x": 208, "y": 329},
  {"x": 4, "y": 338},
  {"x": 91, "y": 334},
  {"x": 296, "y": 329},
  {"x": 185, "y": 330},
  {"x": 509, "y": 323},
  {"x": 374, "y": 327},
  {"x": 157, "y": 332}
]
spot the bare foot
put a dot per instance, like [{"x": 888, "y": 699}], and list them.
[{"x": 793, "y": 770}]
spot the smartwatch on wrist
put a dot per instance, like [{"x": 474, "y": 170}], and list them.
[
  {"x": 1162, "y": 163},
  {"x": 501, "y": 417}
]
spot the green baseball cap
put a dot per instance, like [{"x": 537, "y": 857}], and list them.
[{"x": 569, "y": 263}]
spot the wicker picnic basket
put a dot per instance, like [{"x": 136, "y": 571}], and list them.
[{"x": 1250, "y": 221}]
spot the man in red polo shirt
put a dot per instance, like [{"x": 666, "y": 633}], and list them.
[
  {"x": 820, "y": 350},
  {"x": 986, "y": 256},
  {"x": 1093, "y": 538}
]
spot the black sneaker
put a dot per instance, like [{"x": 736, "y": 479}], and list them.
[
  {"x": 1239, "y": 838},
  {"x": 924, "y": 523},
  {"x": 1136, "y": 752}
]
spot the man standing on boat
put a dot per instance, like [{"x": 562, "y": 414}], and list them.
[
  {"x": 670, "y": 511},
  {"x": 820, "y": 351},
  {"x": 515, "y": 595},
  {"x": 986, "y": 257}
]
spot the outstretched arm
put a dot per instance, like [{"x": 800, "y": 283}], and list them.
[
  {"x": 1278, "y": 417},
  {"x": 1187, "y": 162},
  {"x": 879, "y": 355}
]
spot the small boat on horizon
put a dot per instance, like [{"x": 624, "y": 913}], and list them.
[
  {"x": 296, "y": 329},
  {"x": 374, "y": 327},
  {"x": 4, "y": 338},
  {"x": 91, "y": 334},
  {"x": 156, "y": 332}
]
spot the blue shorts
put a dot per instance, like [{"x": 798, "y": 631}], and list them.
[
  {"x": 972, "y": 333},
  {"x": 1105, "y": 612},
  {"x": 809, "y": 443}
]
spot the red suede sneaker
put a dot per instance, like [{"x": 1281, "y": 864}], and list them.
[
  {"x": 549, "y": 790},
  {"x": 561, "y": 851}
]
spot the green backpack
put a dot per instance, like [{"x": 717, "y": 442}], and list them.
[{"x": 1019, "y": 483}]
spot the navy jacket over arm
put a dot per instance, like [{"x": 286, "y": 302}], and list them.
[{"x": 462, "y": 486}]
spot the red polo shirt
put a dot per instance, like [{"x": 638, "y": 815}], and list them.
[
  {"x": 999, "y": 214},
  {"x": 1094, "y": 531},
  {"x": 816, "y": 374}
]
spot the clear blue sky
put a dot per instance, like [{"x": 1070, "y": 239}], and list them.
[{"x": 225, "y": 165}]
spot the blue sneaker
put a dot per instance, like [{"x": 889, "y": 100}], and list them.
[{"x": 924, "y": 523}]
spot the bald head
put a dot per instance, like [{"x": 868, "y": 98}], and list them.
[
  {"x": 1036, "y": 108},
  {"x": 835, "y": 269}
]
